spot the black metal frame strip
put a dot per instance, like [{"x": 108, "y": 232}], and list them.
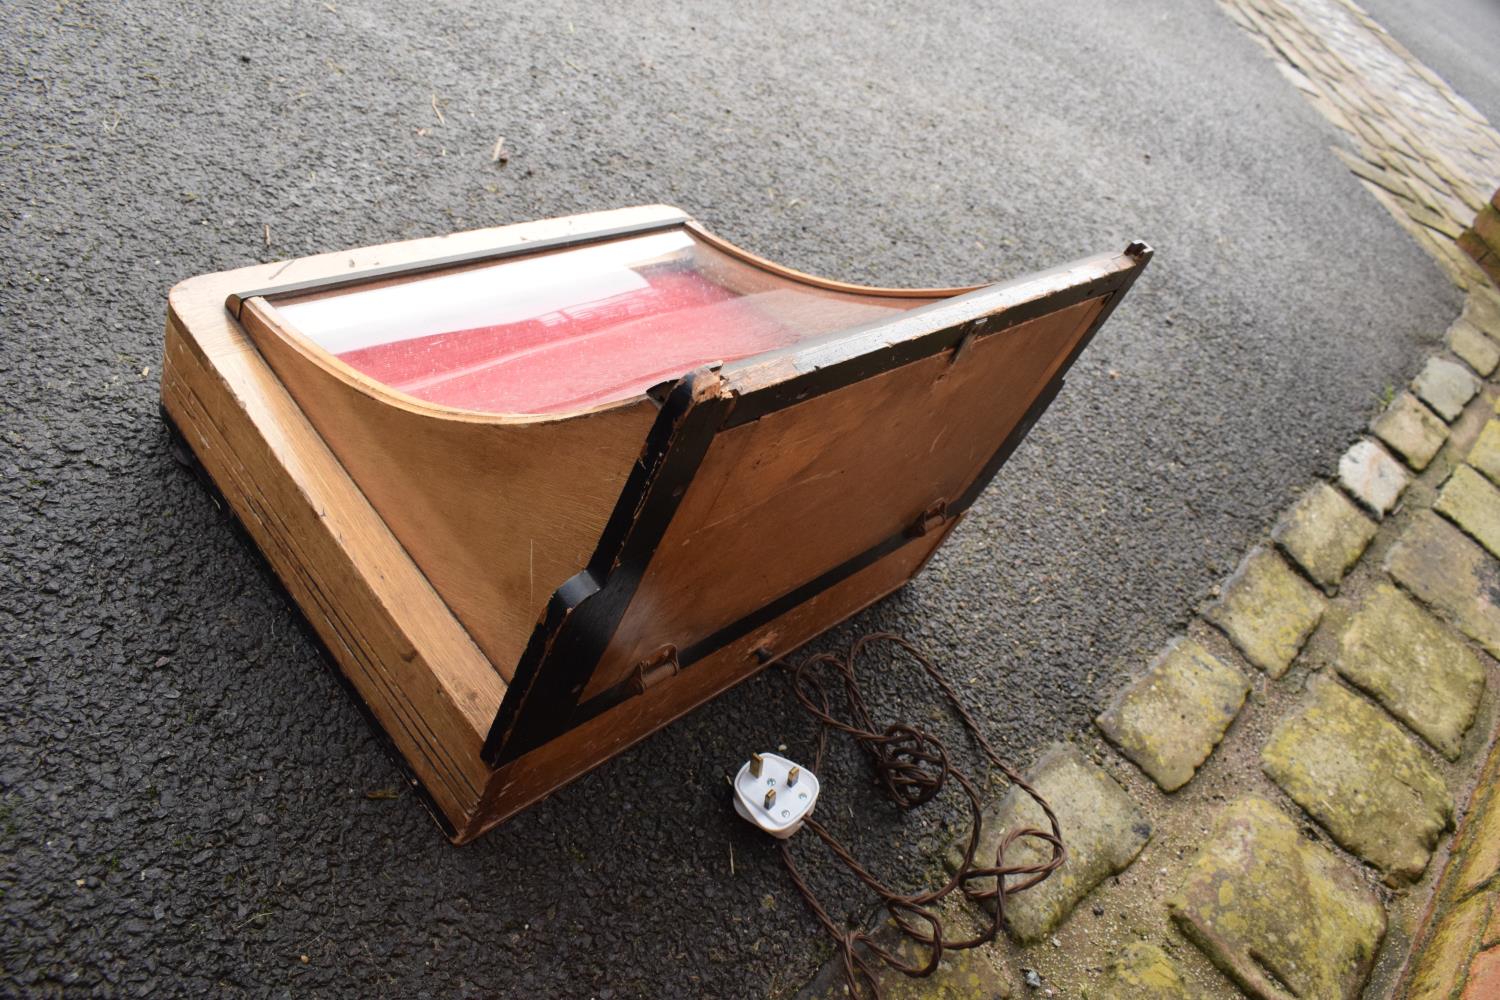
[
  {"x": 582, "y": 616},
  {"x": 878, "y": 347},
  {"x": 236, "y": 301}
]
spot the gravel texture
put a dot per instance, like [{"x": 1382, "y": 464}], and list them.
[{"x": 186, "y": 793}]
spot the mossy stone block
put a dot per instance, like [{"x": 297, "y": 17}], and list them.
[
  {"x": 1274, "y": 910},
  {"x": 1170, "y": 719},
  {"x": 1414, "y": 665},
  {"x": 1267, "y": 611},
  {"x": 1362, "y": 778}
]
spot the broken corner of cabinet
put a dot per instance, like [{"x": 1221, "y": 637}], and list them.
[{"x": 544, "y": 488}]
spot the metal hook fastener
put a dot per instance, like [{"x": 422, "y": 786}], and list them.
[
  {"x": 935, "y": 514},
  {"x": 655, "y": 668}
]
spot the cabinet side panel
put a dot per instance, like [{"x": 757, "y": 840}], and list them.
[
  {"x": 496, "y": 513},
  {"x": 422, "y": 677}
]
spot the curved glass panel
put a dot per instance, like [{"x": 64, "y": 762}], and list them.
[{"x": 570, "y": 329}]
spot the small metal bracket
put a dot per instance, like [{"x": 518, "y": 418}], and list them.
[
  {"x": 654, "y": 669},
  {"x": 935, "y": 514}
]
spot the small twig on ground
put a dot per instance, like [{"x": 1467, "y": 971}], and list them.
[
  {"x": 438, "y": 111},
  {"x": 253, "y": 916},
  {"x": 499, "y": 154},
  {"x": 268, "y": 234}
]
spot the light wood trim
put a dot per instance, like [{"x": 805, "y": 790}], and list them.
[
  {"x": 266, "y": 278},
  {"x": 430, "y": 687}
]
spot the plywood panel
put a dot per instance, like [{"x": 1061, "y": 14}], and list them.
[
  {"x": 498, "y": 512},
  {"x": 782, "y": 499}
]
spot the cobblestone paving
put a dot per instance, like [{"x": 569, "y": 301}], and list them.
[
  {"x": 1105, "y": 833},
  {"x": 1325, "y": 534},
  {"x": 1309, "y": 865},
  {"x": 1169, "y": 720},
  {"x": 1429, "y": 157},
  {"x": 1414, "y": 666},
  {"x": 1255, "y": 869},
  {"x": 1358, "y": 774},
  {"x": 1287, "y": 832},
  {"x": 1412, "y": 430},
  {"x": 1267, "y": 610}
]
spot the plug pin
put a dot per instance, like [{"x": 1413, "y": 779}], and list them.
[
  {"x": 770, "y": 798},
  {"x": 756, "y": 762},
  {"x": 792, "y": 776}
]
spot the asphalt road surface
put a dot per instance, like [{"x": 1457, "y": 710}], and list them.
[
  {"x": 185, "y": 790},
  {"x": 1455, "y": 38}
]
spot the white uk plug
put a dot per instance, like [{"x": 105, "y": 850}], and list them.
[{"x": 775, "y": 794}]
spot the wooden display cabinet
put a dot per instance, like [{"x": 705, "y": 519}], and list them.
[{"x": 542, "y": 489}]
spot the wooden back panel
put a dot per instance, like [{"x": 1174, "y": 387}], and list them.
[
  {"x": 780, "y": 500},
  {"x": 767, "y": 482}
]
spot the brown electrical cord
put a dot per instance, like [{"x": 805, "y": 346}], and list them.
[{"x": 912, "y": 766}]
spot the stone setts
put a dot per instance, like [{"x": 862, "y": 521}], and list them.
[
  {"x": 1253, "y": 873},
  {"x": 1413, "y": 665},
  {"x": 1446, "y": 386},
  {"x": 1325, "y": 534},
  {"x": 1411, "y": 430},
  {"x": 1267, "y": 611},
  {"x": 1473, "y": 503},
  {"x": 1169, "y": 720},
  {"x": 1104, "y": 833},
  {"x": 1366, "y": 781},
  {"x": 1448, "y": 572},
  {"x": 1373, "y": 477}
]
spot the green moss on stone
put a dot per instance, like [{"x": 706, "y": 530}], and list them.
[
  {"x": 1100, "y": 825},
  {"x": 1413, "y": 665},
  {"x": 1471, "y": 502},
  {"x": 1169, "y": 720},
  {"x": 1325, "y": 534},
  {"x": 1412, "y": 430},
  {"x": 1279, "y": 914},
  {"x": 1144, "y": 972},
  {"x": 1485, "y": 455},
  {"x": 1365, "y": 780},
  {"x": 1268, "y": 611},
  {"x": 1445, "y": 570}
]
